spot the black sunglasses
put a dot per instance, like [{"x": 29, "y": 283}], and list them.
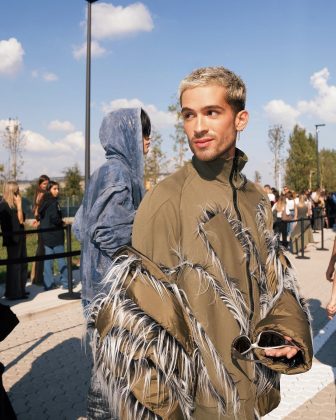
[{"x": 265, "y": 340}]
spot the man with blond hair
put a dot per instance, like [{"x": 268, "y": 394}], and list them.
[{"x": 203, "y": 313}]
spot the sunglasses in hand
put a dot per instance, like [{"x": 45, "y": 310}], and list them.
[{"x": 268, "y": 339}]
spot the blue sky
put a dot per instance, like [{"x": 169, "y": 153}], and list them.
[{"x": 283, "y": 50}]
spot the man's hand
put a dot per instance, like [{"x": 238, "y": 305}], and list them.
[{"x": 289, "y": 351}]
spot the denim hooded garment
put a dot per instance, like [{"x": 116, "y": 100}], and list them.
[{"x": 104, "y": 221}]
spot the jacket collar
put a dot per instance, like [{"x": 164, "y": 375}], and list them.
[{"x": 223, "y": 170}]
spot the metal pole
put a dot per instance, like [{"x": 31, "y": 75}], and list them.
[
  {"x": 88, "y": 93},
  {"x": 71, "y": 294}
]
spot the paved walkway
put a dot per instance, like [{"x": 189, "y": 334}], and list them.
[{"x": 47, "y": 368}]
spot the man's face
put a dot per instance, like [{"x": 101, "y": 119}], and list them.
[
  {"x": 146, "y": 144},
  {"x": 210, "y": 123}
]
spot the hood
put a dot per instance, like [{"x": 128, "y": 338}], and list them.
[{"x": 121, "y": 137}]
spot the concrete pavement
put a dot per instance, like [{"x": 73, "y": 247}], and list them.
[{"x": 47, "y": 369}]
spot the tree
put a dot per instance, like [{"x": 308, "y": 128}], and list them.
[
  {"x": 72, "y": 179},
  {"x": 14, "y": 141},
  {"x": 180, "y": 139},
  {"x": 328, "y": 169},
  {"x": 276, "y": 142},
  {"x": 301, "y": 161},
  {"x": 30, "y": 191},
  {"x": 155, "y": 161}
]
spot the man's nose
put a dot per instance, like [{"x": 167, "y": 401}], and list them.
[{"x": 200, "y": 126}]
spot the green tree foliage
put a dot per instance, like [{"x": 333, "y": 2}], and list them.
[
  {"x": 179, "y": 138},
  {"x": 328, "y": 169},
  {"x": 72, "y": 179},
  {"x": 30, "y": 192},
  {"x": 301, "y": 161},
  {"x": 155, "y": 161}
]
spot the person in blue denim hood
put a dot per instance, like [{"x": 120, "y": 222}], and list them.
[{"x": 103, "y": 223}]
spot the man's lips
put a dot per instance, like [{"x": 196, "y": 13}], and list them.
[{"x": 202, "y": 143}]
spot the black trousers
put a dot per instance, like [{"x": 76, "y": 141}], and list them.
[{"x": 16, "y": 276}]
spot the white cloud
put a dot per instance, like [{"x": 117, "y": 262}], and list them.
[
  {"x": 322, "y": 106},
  {"x": 45, "y": 75},
  {"x": 278, "y": 112},
  {"x": 159, "y": 119},
  {"x": 110, "y": 21},
  {"x": 41, "y": 155},
  {"x": 57, "y": 125},
  {"x": 49, "y": 77},
  {"x": 96, "y": 50},
  {"x": 11, "y": 56}
]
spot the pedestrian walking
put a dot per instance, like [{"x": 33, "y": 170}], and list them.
[
  {"x": 12, "y": 220},
  {"x": 50, "y": 216},
  {"x": 202, "y": 313}
]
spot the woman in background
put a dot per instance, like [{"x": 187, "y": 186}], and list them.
[
  {"x": 301, "y": 211},
  {"x": 280, "y": 217},
  {"x": 12, "y": 220},
  {"x": 51, "y": 217},
  {"x": 38, "y": 266}
]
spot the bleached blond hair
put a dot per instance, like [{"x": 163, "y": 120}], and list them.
[
  {"x": 204, "y": 76},
  {"x": 9, "y": 189}
]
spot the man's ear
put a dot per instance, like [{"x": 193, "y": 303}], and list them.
[{"x": 241, "y": 120}]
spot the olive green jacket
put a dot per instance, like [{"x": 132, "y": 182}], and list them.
[{"x": 204, "y": 269}]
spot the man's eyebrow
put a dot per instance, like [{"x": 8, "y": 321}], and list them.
[
  {"x": 212, "y": 107},
  {"x": 184, "y": 109}
]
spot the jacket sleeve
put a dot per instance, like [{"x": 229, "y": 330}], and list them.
[
  {"x": 288, "y": 313},
  {"x": 144, "y": 322},
  {"x": 110, "y": 219},
  {"x": 142, "y": 348}
]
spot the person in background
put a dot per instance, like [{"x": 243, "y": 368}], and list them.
[
  {"x": 270, "y": 194},
  {"x": 280, "y": 217},
  {"x": 50, "y": 216},
  {"x": 104, "y": 221},
  {"x": 12, "y": 219},
  {"x": 290, "y": 209},
  {"x": 331, "y": 276},
  {"x": 38, "y": 266},
  {"x": 317, "y": 209},
  {"x": 301, "y": 211}
]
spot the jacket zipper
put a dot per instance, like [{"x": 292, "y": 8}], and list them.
[{"x": 247, "y": 265}]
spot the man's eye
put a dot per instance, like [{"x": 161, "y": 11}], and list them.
[
  {"x": 187, "y": 116},
  {"x": 212, "y": 113}
]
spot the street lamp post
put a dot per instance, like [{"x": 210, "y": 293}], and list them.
[
  {"x": 88, "y": 93},
  {"x": 318, "y": 173}
]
